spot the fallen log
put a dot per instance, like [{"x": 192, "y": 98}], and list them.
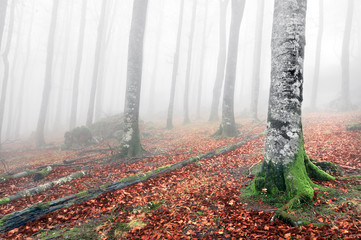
[
  {"x": 43, "y": 187},
  {"x": 40, "y": 174},
  {"x": 20, "y": 218}
]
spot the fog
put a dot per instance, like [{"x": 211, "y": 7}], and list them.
[{"x": 29, "y": 45}]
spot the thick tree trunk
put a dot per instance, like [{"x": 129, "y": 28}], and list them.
[
  {"x": 189, "y": 64},
  {"x": 202, "y": 65},
  {"x": 130, "y": 145},
  {"x": 48, "y": 76},
  {"x": 228, "y": 125},
  {"x": 221, "y": 65},
  {"x": 316, "y": 75},
  {"x": 6, "y": 66},
  {"x": 257, "y": 60},
  {"x": 79, "y": 59},
  {"x": 345, "y": 86},
  {"x": 286, "y": 167},
  {"x": 98, "y": 50},
  {"x": 175, "y": 68}
]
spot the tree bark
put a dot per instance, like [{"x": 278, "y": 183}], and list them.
[
  {"x": 3, "y": 8},
  {"x": 6, "y": 66},
  {"x": 257, "y": 60},
  {"x": 79, "y": 59},
  {"x": 345, "y": 86},
  {"x": 131, "y": 144},
  {"x": 228, "y": 125},
  {"x": 316, "y": 75},
  {"x": 221, "y": 65},
  {"x": 286, "y": 169},
  {"x": 202, "y": 65},
  {"x": 175, "y": 68},
  {"x": 189, "y": 64},
  {"x": 98, "y": 50},
  {"x": 48, "y": 76}
]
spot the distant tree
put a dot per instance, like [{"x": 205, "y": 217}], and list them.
[
  {"x": 131, "y": 144},
  {"x": 79, "y": 59},
  {"x": 98, "y": 49},
  {"x": 3, "y": 8},
  {"x": 228, "y": 125},
  {"x": 189, "y": 64},
  {"x": 221, "y": 65},
  {"x": 203, "y": 53},
  {"x": 316, "y": 75},
  {"x": 175, "y": 67},
  {"x": 286, "y": 168},
  {"x": 6, "y": 65},
  {"x": 345, "y": 58},
  {"x": 48, "y": 76},
  {"x": 257, "y": 60}
]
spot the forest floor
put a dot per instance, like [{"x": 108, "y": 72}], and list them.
[{"x": 202, "y": 200}]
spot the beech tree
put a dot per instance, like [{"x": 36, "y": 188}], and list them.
[
  {"x": 286, "y": 167},
  {"x": 175, "y": 68},
  {"x": 318, "y": 56},
  {"x": 130, "y": 145},
  {"x": 48, "y": 76},
  {"x": 221, "y": 64},
  {"x": 228, "y": 125}
]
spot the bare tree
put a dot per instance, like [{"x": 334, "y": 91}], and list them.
[
  {"x": 130, "y": 145},
  {"x": 175, "y": 67},
  {"x": 189, "y": 64},
  {"x": 257, "y": 60},
  {"x": 286, "y": 168},
  {"x": 48, "y": 76},
  {"x": 221, "y": 65},
  {"x": 79, "y": 59},
  {"x": 316, "y": 75},
  {"x": 228, "y": 127}
]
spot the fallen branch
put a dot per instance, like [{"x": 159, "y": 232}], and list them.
[
  {"x": 20, "y": 218},
  {"x": 43, "y": 187},
  {"x": 39, "y": 174}
]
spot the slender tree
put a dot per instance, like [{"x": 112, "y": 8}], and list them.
[
  {"x": 203, "y": 53},
  {"x": 98, "y": 49},
  {"x": 228, "y": 125},
  {"x": 286, "y": 169},
  {"x": 131, "y": 144},
  {"x": 316, "y": 75},
  {"x": 6, "y": 65},
  {"x": 189, "y": 64},
  {"x": 221, "y": 65},
  {"x": 3, "y": 8},
  {"x": 175, "y": 67},
  {"x": 79, "y": 59},
  {"x": 257, "y": 60},
  {"x": 345, "y": 58},
  {"x": 48, "y": 76}
]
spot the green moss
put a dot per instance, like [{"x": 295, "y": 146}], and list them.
[
  {"x": 4, "y": 200},
  {"x": 349, "y": 177},
  {"x": 42, "y": 205},
  {"x": 104, "y": 186},
  {"x": 82, "y": 193},
  {"x": 123, "y": 227}
]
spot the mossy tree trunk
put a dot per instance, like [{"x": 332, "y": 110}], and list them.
[
  {"x": 130, "y": 144},
  {"x": 175, "y": 68},
  {"x": 221, "y": 64},
  {"x": 286, "y": 167},
  {"x": 228, "y": 125}
]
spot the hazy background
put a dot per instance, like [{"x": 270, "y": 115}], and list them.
[{"x": 157, "y": 70}]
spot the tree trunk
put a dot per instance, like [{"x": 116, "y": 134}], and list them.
[
  {"x": 222, "y": 52},
  {"x": 257, "y": 60},
  {"x": 189, "y": 64},
  {"x": 203, "y": 52},
  {"x": 6, "y": 66},
  {"x": 48, "y": 76},
  {"x": 228, "y": 125},
  {"x": 175, "y": 68},
  {"x": 131, "y": 144},
  {"x": 316, "y": 75},
  {"x": 79, "y": 59},
  {"x": 345, "y": 86},
  {"x": 98, "y": 50},
  {"x": 3, "y": 8},
  {"x": 286, "y": 167}
]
